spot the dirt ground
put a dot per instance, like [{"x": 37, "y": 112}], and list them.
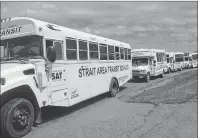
[
  {"x": 178, "y": 89},
  {"x": 163, "y": 108}
]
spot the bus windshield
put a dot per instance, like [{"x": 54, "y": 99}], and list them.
[
  {"x": 195, "y": 56},
  {"x": 26, "y": 47},
  {"x": 179, "y": 57},
  {"x": 140, "y": 61}
]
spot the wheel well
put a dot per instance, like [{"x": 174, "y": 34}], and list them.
[
  {"x": 23, "y": 91},
  {"x": 115, "y": 79}
]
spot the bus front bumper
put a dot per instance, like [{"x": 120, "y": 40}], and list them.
[{"x": 138, "y": 75}]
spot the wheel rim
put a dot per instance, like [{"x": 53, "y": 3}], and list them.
[
  {"x": 114, "y": 88},
  {"x": 21, "y": 119}
]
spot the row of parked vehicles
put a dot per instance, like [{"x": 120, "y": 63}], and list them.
[
  {"x": 147, "y": 63},
  {"x": 44, "y": 64}
]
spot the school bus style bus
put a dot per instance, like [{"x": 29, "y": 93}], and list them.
[
  {"x": 147, "y": 63},
  {"x": 195, "y": 59},
  {"x": 43, "y": 64}
]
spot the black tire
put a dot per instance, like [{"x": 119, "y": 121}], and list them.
[
  {"x": 169, "y": 70},
  {"x": 136, "y": 79},
  {"x": 162, "y": 75},
  {"x": 114, "y": 88},
  {"x": 147, "y": 77},
  {"x": 17, "y": 117}
]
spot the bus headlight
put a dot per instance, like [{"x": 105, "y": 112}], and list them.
[
  {"x": 142, "y": 71},
  {"x": 2, "y": 81}
]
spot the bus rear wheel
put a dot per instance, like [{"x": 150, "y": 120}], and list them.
[
  {"x": 17, "y": 117},
  {"x": 162, "y": 75},
  {"x": 169, "y": 70},
  {"x": 114, "y": 88}
]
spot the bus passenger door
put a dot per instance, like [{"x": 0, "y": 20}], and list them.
[{"x": 58, "y": 86}]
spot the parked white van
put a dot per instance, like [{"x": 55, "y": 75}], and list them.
[
  {"x": 195, "y": 59},
  {"x": 169, "y": 59},
  {"x": 147, "y": 63},
  {"x": 187, "y": 60}
]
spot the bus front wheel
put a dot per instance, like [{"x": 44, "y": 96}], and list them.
[
  {"x": 147, "y": 77},
  {"x": 114, "y": 88},
  {"x": 17, "y": 117}
]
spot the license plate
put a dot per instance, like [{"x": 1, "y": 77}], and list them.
[{"x": 141, "y": 76}]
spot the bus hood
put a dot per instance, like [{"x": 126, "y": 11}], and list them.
[
  {"x": 9, "y": 68},
  {"x": 139, "y": 67}
]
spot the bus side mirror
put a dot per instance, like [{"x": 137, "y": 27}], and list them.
[
  {"x": 154, "y": 63},
  {"x": 51, "y": 54}
]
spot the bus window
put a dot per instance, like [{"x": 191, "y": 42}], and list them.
[
  {"x": 49, "y": 43},
  {"x": 71, "y": 51},
  {"x": 186, "y": 58},
  {"x": 83, "y": 53},
  {"x": 125, "y": 53},
  {"x": 121, "y": 53},
  {"x": 150, "y": 61},
  {"x": 93, "y": 50},
  {"x": 111, "y": 52},
  {"x": 167, "y": 59},
  {"x": 117, "y": 52},
  {"x": 129, "y": 54},
  {"x": 59, "y": 51},
  {"x": 103, "y": 52}
]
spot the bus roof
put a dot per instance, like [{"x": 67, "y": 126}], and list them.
[
  {"x": 194, "y": 53},
  {"x": 141, "y": 52},
  {"x": 53, "y": 31},
  {"x": 148, "y": 50}
]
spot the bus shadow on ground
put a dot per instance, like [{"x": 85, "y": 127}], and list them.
[
  {"x": 51, "y": 113},
  {"x": 122, "y": 88},
  {"x": 136, "y": 81}
]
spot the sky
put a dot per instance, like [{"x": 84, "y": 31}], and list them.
[{"x": 162, "y": 25}]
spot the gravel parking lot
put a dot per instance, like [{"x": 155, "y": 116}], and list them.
[{"x": 164, "y": 107}]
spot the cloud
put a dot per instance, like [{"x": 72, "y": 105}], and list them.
[
  {"x": 29, "y": 11},
  {"x": 173, "y": 21},
  {"x": 132, "y": 22},
  {"x": 149, "y": 7},
  {"x": 49, "y": 6}
]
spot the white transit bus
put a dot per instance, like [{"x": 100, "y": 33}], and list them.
[
  {"x": 147, "y": 63},
  {"x": 45, "y": 64},
  {"x": 187, "y": 61},
  {"x": 194, "y": 59},
  {"x": 178, "y": 61},
  {"x": 170, "y": 64},
  {"x": 175, "y": 60}
]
